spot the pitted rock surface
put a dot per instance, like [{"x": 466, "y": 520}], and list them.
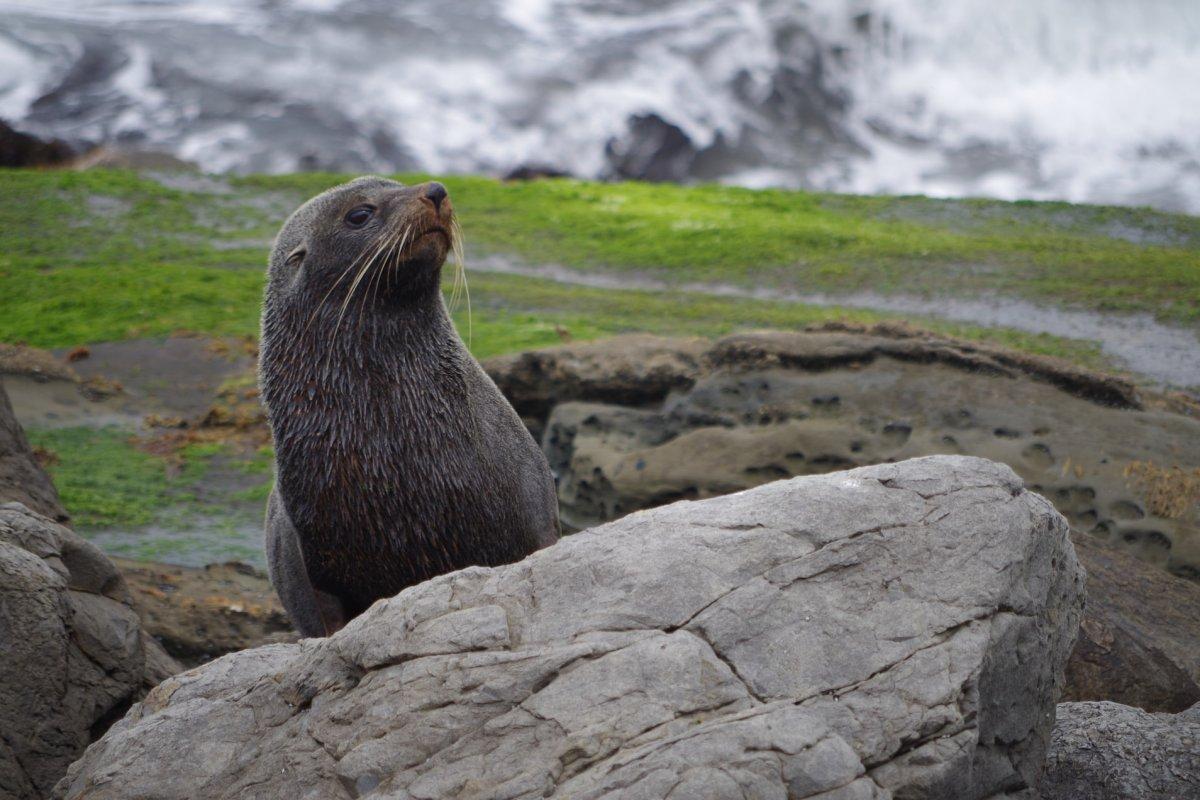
[
  {"x": 892, "y": 631},
  {"x": 631, "y": 425}
]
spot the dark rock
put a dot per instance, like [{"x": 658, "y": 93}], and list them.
[
  {"x": 533, "y": 172},
  {"x": 1106, "y": 751},
  {"x": 651, "y": 149},
  {"x": 1139, "y": 643},
  {"x": 74, "y": 657},
  {"x": 579, "y": 442},
  {"x": 19, "y": 149},
  {"x": 631, "y": 370},
  {"x": 832, "y": 347},
  {"x": 200, "y": 614}
]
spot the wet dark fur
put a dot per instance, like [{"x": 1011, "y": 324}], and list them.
[{"x": 397, "y": 458}]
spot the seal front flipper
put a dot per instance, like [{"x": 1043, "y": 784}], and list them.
[{"x": 313, "y": 612}]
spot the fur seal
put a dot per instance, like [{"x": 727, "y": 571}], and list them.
[{"x": 396, "y": 457}]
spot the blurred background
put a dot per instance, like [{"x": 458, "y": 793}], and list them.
[
  {"x": 710, "y": 244},
  {"x": 1083, "y": 100}
]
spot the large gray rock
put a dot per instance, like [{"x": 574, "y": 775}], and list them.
[
  {"x": 1107, "y": 751},
  {"x": 73, "y": 655},
  {"x": 894, "y": 631}
]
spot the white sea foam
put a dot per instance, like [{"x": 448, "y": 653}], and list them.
[
  {"x": 1090, "y": 100},
  {"x": 20, "y": 79}
]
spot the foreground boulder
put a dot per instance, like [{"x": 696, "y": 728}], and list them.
[
  {"x": 1106, "y": 751},
  {"x": 897, "y": 630},
  {"x": 73, "y": 655}
]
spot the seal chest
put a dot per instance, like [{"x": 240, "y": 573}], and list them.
[{"x": 397, "y": 458}]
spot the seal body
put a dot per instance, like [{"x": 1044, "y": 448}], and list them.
[{"x": 397, "y": 458}]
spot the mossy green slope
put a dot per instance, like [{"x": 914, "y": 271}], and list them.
[
  {"x": 812, "y": 242},
  {"x": 107, "y": 254}
]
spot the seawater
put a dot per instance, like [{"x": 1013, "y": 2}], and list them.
[{"x": 1083, "y": 100}]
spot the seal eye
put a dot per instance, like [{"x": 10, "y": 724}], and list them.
[
  {"x": 357, "y": 217},
  {"x": 295, "y": 258}
]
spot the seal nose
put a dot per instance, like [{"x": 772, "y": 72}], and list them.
[{"x": 436, "y": 193}]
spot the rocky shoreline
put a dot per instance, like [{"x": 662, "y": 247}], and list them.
[
  {"x": 635, "y": 421},
  {"x": 479, "y": 636}
]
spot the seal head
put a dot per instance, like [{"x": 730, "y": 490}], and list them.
[{"x": 397, "y": 458}]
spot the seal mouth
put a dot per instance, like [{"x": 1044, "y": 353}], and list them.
[
  {"x": 419, "y": 243},
  {"x": 436, "y": 230}
]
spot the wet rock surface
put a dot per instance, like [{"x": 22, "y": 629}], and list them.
[
  {"x": 704, "y": 419},
  {"x": 200, "y": 614},
  {"x": 123, "y": 383},
  {"x": 1106, "y": 751},
  {"x": 850, "y": 635},
  {"x": 671, "y": 418},
  {"x": 74, "y": 655},
  {"x": 630, "y": 370}
]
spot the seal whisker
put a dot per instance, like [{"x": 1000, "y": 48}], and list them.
[
  {"x": 460, "y": 276},
  {"x": 376, "y": 252},
  {"x": 378, "y": 266},
  {"x": 321, "y": 304},
  {"x": 456, "y": 249},
  {"x": 370, "y": 249},
  {"x": 362, "y": 273},
  {"x": 392, "y": 254}
]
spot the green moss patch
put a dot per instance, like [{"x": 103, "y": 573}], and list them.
[{"x": 107, "y": 478}]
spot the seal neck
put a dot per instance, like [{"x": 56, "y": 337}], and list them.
[{"x": 340, "y": 355}]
